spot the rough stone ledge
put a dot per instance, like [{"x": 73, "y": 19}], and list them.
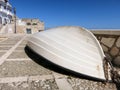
[
  {"x": 106, "y": 32},
  {"x": 25, "y": 78}
]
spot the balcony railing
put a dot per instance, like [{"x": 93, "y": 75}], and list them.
[
  {"x": 10, "y": 13},
  {"x": 3, "y": 10},
  {"x": 6, "y": 11},
  {"x": 8, "y": 4}
]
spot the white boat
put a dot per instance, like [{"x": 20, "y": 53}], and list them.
[{"x": 73, "y": 48}]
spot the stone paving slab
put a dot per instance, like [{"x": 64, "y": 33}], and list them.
[
  {"x": 2, "y": 53},
  {"x": 16, "y": 55},
  {"x": 24, "y": 42},
  {"x": 83, "y": 84},
  {"x": 7, "y": 44},
  {"x": 19, "y": 59},
  {"x": 19, "y": 72},
  {"x": 3, "y": 38},
  {"x": 63, "y": 84},
  {"x": 22, "y": 68},
  {"x": 8, "y": 53},
  {"x": 5, "y": 48},
  {"x": 20, "y": 48},
  {"x": 10, "y": 42}
]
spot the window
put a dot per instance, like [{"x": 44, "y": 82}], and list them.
[
  {"x": 28, "y": 23},
  {"x": 4, "y": 7},
  {"x": 39, "y": 30},
  {"x": 28, "y": 30},
  {"x": 34, "y": 24}
]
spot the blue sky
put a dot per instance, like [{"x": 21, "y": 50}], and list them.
[{"x": 85, "y": 13}]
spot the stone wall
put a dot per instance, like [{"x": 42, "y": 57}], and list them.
[{"x": 110, "y": 42}]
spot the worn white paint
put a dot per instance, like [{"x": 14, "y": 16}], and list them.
[
  {"x": 19, "y": 59},
  {"x": 73, "y": 48}
]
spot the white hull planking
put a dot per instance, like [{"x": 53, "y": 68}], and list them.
[{"x": 73, "y": 48}]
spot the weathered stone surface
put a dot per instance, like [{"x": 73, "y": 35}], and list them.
[
  {"x": 106, "y": 32},
  {"x": 15, "y": 55},
  {"x": 30, "y": 70},
  {"x": 118, "y": 42},
  {"x": 5, "y": 48},
  {"x": 114, "y": 51},
  {"x": 108, "y": 56},
  {"x": 34, "y": 85},
  {"x": 99, "y": 38},
  {"x": 108, "y": 41},
  {"x": 44, "y": 85},
  {"x": 117, "y": 61},
  {"x": 105, "y": 49},
  {"x": 23, "y": 68},
  {"x": 82, "y": 84},
  {"x": 1, "y": 53}
]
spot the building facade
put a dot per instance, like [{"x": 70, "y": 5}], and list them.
[
  {"x": 5, "y": 12},
  {"x": 29, "y": 26}
]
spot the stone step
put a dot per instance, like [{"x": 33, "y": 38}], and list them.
[
  {"x": 63, "y": 84},
  {"x": 20, "y": 48},
  {"x": 4, "y": 44},
  {"x": 19, "y": 59},
  {"x": 6, "y": 55},
  {"x": 34, "y": 85},
  {"x": 2, "y": 53},
  {"x": 16, "y": 55},
  {"x": 84, "y": 84},
  {"x": 25, "y": 78},
  {"x": 5, "y": 48}
]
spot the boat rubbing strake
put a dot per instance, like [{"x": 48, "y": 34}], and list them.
[{"x": 73, "y": 48}]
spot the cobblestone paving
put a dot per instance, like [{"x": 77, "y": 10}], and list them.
[{"x": 19, "y": 72}]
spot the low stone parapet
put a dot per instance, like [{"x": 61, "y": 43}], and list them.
[{"x": 110, "y": 42}]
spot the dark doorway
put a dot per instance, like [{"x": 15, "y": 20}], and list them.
[{"x": 28, "y": 31}]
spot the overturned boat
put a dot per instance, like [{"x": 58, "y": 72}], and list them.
[{"x": 73, "y": 48}]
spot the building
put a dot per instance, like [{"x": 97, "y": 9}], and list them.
[
  {"x": 5, "y": 12},
  {"x": 12, "y": 24},
  {"x": 29, "y": 26}
]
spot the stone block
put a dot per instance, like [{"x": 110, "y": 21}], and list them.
[
  {"x": 114, "y": 51},
  {"x": 105, "y": 49},
  {"x": 118, "y": 42},
  {"x": 117, "y": 61},
  {"x": 108, "y": 56},
  {"x": 108, "y": 41}
]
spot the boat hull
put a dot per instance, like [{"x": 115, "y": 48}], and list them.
[{"x": 73, "y": 48}]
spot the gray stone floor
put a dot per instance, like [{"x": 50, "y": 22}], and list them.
[{"x": 19, "y": 72}]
